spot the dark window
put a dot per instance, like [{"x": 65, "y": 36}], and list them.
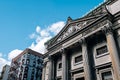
[
  {"x": 20, "y": 76},
  {"x": 107, "y": 76},
  {"x": 80, "y": 78},
  {"x": 59, "y": 79},
  {"x": 26, "y": 70},
  {"x": 38, "y": 61},
  {"x": 24, "y": 78},
  {"x": 23, "y": 61},
  {"x": 34, "y": 62},
  {"x": 102, "y": 50},
  {"x": 32, "y": 77},
  {"x": 28, "y": 53},
  {"x": 59, "y": 65},
  {"x": 78, "y": 59},
  {"x": 33, "y": 71},
  {"x": 25, "y": 75},
  {"x": 27, "y": 61},
  {"x": 21, "y": 68}
]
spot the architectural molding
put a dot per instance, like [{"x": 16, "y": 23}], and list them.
[
  {"x": 107, "y": 29},
  {"x": 93, "y": 37}
]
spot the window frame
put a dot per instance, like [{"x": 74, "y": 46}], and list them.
[
  {"x": 59, "y": 69},
  {"x": 78, "y": 75},
  {"x": 100, "y": 45},
  {"x": 80, "y": 54},
  {"x": 105, "y": 70}
]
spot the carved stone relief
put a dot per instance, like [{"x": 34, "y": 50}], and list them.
[{"x": 73, "y": 28}]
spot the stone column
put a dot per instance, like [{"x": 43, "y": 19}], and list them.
[
  {"x": 86, "y": 60},
  {"x": 112, "y": 48},
  {"x": 43, "y": 72},
  {"x": 64, "y": 65},
  {"x": 53, "y": 69},
  {"x": 50, "y": 68}
]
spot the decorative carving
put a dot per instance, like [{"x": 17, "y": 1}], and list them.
[
  {"x": 94, "y": 28},
  {"x": 73, "y": 28},
  {"x": 70, "y": 30},
  {"x": 63, "y": 51},
  {"x": 82, "y": 40},
  {"x": 107, "y": 29},
  {"x": 83, "y": 34}
]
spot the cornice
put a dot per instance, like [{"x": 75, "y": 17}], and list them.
[
  {"x": 26, "y": 51},
  {"x": 77, "y": 32}
]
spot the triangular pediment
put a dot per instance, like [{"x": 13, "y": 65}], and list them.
[{"x": 73, "y": 26}]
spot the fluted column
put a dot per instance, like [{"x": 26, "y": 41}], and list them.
[
  {"x": 112, "y": 50},
  {"x": 64, "y": 65},
  {"x": 86, "y": 60}
]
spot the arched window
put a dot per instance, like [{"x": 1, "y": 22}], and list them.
[
  {"x": 23, "y": 61},
  {"x": 27, "y": 61},
  {"x": 34, "y": 63},
  {"x": 26, "y": 68}
]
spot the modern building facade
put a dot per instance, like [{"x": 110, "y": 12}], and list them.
[
  {"x": 4, "y": 73},
  {"x": 87, "y": 48},
  {"x": 27, "y": 66}
]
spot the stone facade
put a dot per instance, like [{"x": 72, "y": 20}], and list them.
[
  {"x": 87, "y": 48},
  {"x": 26, "y": 66}
]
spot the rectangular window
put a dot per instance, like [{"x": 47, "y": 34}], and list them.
[
  {"x": 60, "y": 66},
  {"x": 102, "y": 50},
  {"x": 78, "y": 59},
  {"x": 80, "y": 78},
  {"x": 107, "y": 76}
]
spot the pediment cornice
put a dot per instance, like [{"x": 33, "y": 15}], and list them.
[{"x": 73, "y": 26}]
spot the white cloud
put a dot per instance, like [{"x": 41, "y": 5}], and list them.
[
  {"x": 32, "y": 36},
  {"x": 40, "y": 36},
  {"x": 39, "y": 47},
  {"x": 3, "y": 62},
  {"x": 56, "y": 27},
  {"x": 43, "y": 35},
  {"x": 13, "y": 54},
  {"x": 38, "y": 29}
]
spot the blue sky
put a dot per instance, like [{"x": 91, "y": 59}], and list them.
[{"x": 22, "y": 21}]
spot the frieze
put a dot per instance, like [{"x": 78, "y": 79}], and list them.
[
  {"x": 98, "y": 11},
  {"x": 95, "y": 27}
]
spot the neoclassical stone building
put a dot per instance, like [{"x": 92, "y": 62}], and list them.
[{"x": 87, "y": 48}]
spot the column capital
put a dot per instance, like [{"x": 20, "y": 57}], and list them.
[
  {"x": 50, "y": 57},
  {"x": 44, "y": 64},
  {"x": 63, "y": 50},
  {"x": 107, "y": 29},
  {"x": 82, "y": 40}
]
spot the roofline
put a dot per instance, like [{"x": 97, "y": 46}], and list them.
[{"x": 28, "y": 50}]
